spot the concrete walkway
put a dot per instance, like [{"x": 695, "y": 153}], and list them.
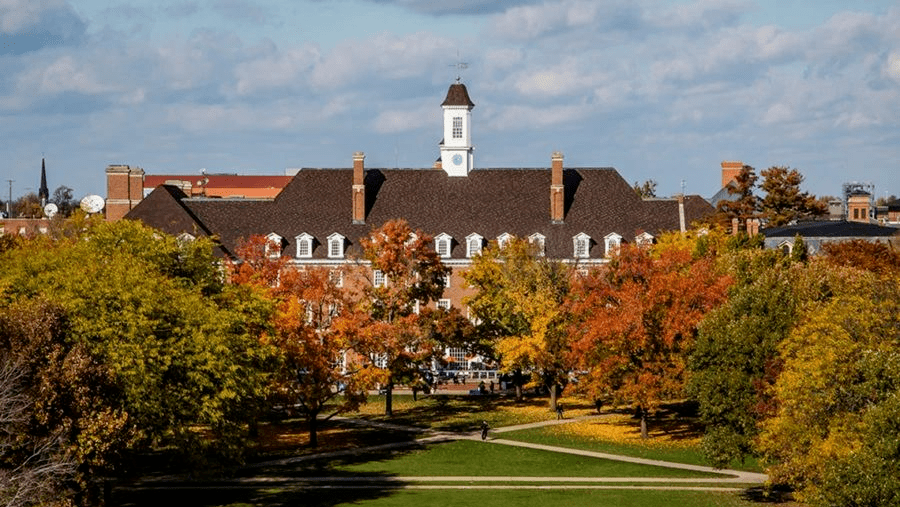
[{"x": 429, "y": 436}]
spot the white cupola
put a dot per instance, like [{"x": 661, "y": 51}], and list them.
[{"x": 457, "y": 154}]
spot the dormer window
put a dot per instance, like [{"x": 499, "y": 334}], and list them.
[
  {"x": 273, "y": 245},
  {"x": 304, "y": 246},
  {"x": 582, "y": 246},
  {"x": 503, "y": 240},
  {"x": 335, "y": 246},
  {"x": 537, "y": 241},
  {"x": 474, "y": 243},
  {"x": 612, "y": 242},
  {"x": 185, "y": 237},
  {"x": 442, "y": 244},
  {"x": 644, "y": 239},
  {"x": 413, "y": 237}
]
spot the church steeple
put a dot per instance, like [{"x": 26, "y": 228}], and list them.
[
  {"x": 457, "y": 153},
  {"x": 43, "y": 192}
]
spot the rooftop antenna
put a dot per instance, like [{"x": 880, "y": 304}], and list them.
[
  {"x": 683, "y": 185},
  {"x": 460, "y": 66}
]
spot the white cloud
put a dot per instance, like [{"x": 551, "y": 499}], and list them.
[
  {"x": 18, "y": 15},
  {"x": 384, "y": 56},
  {"x": 402, "y": 120},
  {"x": 275, "y": 70},
  {"x": 526, "y": 117},
  {"x": 65, "y": 74}
]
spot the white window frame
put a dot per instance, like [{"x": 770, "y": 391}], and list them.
[
  {"x": 378, "y": 278},
  {"x": 457, "y": 127},
  {"x": 611, "y": 243},
  {"x": 581, "y": 246},
  {"x": 541, "y": 241},
  {"x": 272, "y": 238},
  {"x": 443, "y": 241},
  {"x": 336, "y": 246},
  {"x": 644, "y": 239},
  {"x": 503, "y": 240},
  {"x": 304, "y": 240},
  {"x": 186, "y": 237},
  {"x": 447, "y": 281},
  {"x": 443, "y": 304},
  {"x": 789, "y": 245},
  {"x": 476, "y": 241}
]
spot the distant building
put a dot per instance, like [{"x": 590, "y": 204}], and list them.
[
  {"x": 127, "y": 186},
  {"x": 817, "y": 233}
]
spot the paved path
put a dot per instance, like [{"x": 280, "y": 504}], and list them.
[{"x": 726, "y": 482}]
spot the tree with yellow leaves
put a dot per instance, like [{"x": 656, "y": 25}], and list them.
[{"x": 519, "y": 305}]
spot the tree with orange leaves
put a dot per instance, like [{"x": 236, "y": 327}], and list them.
[
  {"x": 637, "y": 319},
  {"x": 319, "y": 366},
  {"x": 411, "y": 275}
]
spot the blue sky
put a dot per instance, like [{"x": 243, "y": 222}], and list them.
[{"x": 661, "y": 90}]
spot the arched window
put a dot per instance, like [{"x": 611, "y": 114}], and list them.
[
  {"x": 442, "y": 244},
  {"x": 304, "y": 246},
  {"x": 612, "y": 242},
  {"x": 474, "y": 243},
  {"x": 581, "y": 246},
  {"x": 335, "y": 246},
  {"x": 274, "y": 243}
]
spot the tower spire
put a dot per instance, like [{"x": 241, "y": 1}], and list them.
[{"x": 43, "y": 192}]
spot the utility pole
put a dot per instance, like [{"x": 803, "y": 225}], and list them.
[{"x": 8, "y": 212}]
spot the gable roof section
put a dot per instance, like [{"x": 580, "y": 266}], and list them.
[
  {"x": 488, "y": 202},
  {"x": 164, "y": 209}
]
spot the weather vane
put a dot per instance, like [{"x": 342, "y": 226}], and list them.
[{"x": 460, "y": 66}]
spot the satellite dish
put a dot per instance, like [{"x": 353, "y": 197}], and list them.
[
  {"x": 92, "y": 204},
  {"x": 50, "y": 209}
]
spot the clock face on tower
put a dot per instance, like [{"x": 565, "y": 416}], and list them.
[{"x": 457, "y": 159}]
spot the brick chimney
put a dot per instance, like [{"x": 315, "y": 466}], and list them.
[
  {"x": 359, "y": 188},
  {"x": 730, "y": 171},
  {"x": 557, "y": 190},
  {"x": 124, "y": 190}
]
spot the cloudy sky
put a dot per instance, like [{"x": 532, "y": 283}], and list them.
[{"x": 661, "y": 90}]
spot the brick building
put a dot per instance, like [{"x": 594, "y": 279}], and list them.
[{"x": 578, "y": 215}]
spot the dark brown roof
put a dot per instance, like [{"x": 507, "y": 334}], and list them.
[
  {"x": 457, "y": 95},
  {"x": 220, "y": 180},
  {"x": 488, "y": 202}
]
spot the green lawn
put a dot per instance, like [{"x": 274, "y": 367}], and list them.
[
  {"x": 291, "y": 484},
  {"x": 677, "y": 454},
  {"x": 469, "y": 458}
]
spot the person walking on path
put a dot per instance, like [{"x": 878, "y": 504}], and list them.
[
  {"x": 559, "y": 411},
  {"x": 484, "y": 430}
]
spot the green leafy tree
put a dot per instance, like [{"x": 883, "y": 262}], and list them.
[
  {"x": 146, "y": 344},
  {"x": 834, "y": 435},
  {"x": 737, "y": 359},
  {"x": 638, "y": 320},
  {"x": 519, "y": 306},
  {"x": 784, "y": 202},
  {"x": 645, "y": 190}
]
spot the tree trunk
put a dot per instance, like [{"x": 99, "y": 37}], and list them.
[
  {"x": 553, "y": 396},
  {"x": 313, "y": 421},
  {"x": 388, "y": 398},
  {"x": 644, "y": 433},
  {"x": 517, "y": 378}
]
